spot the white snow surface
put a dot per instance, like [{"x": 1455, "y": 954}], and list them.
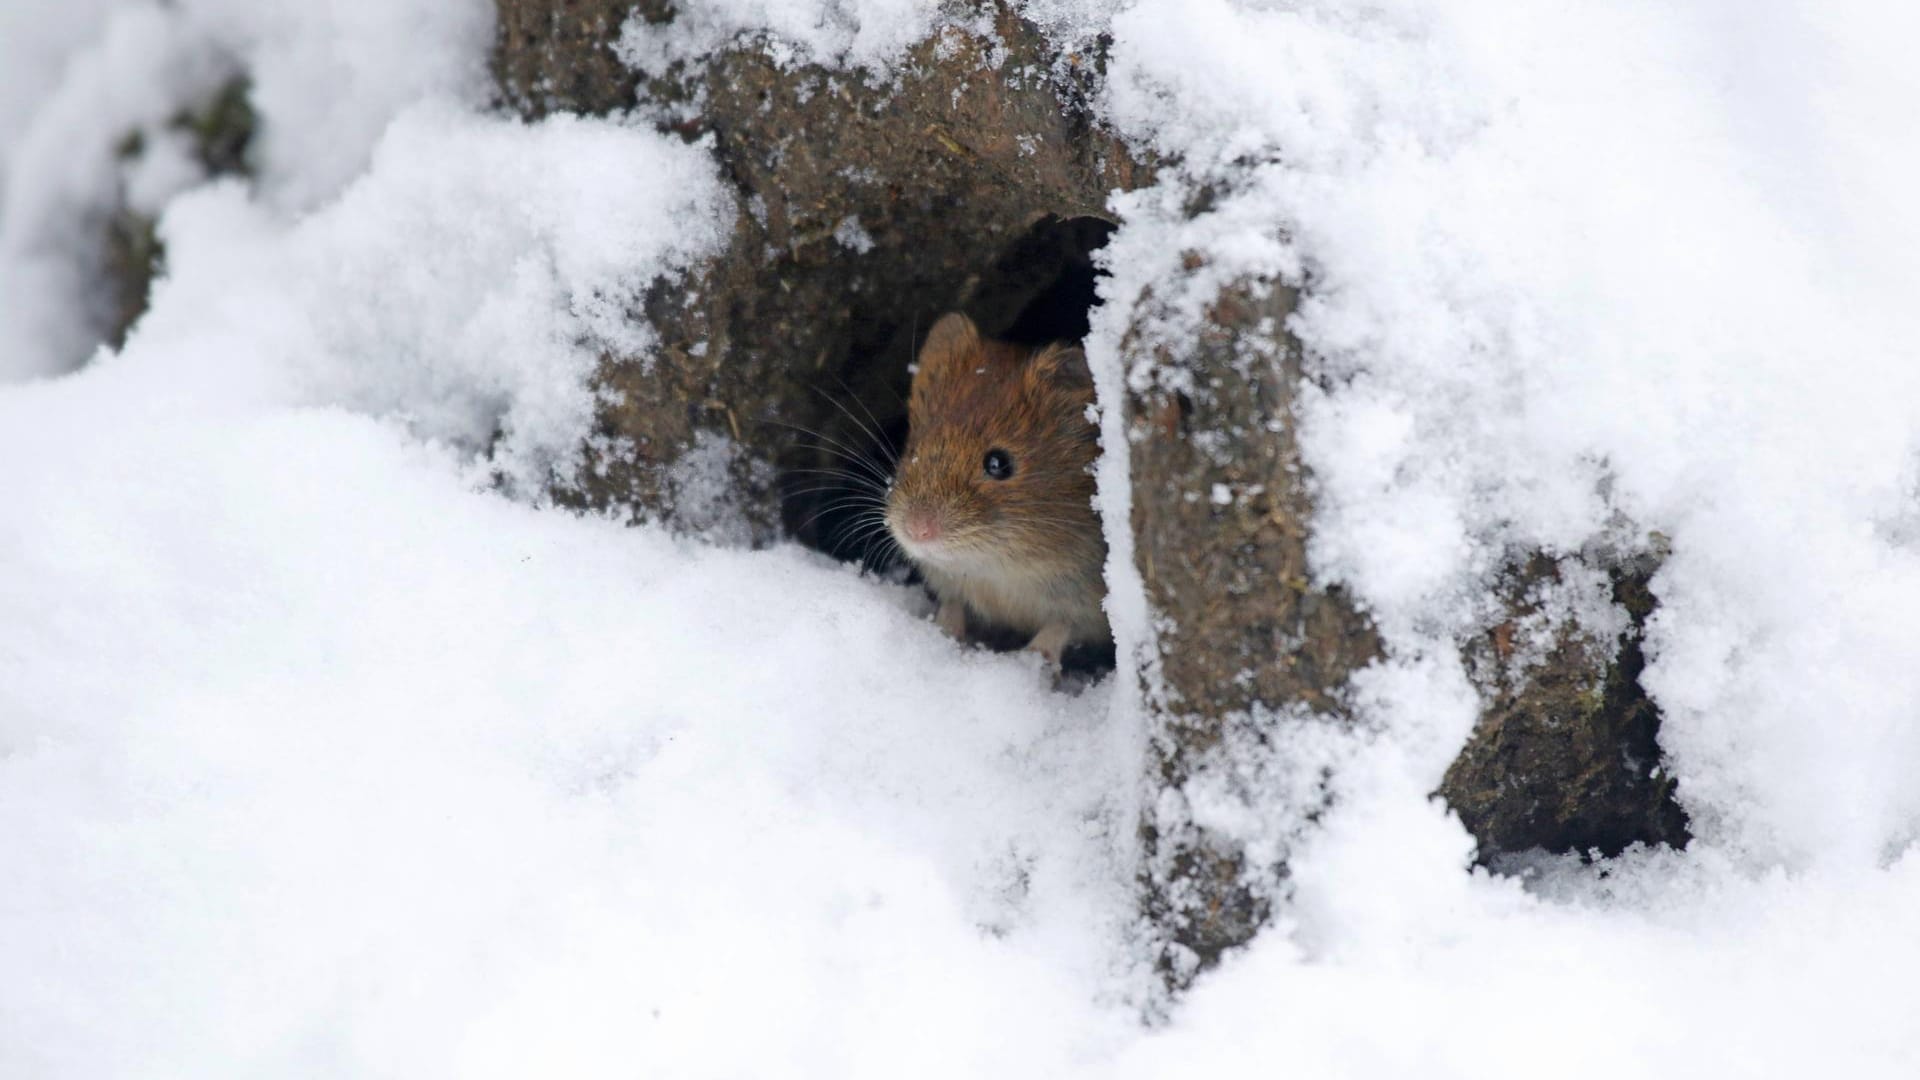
[
  {"x": 866, "y": 36},
  {"x": 1551, "y": 316},
  {"x": 41, "y": 37},
  {"x": 321, "y": 755},
  {"x": 325, "y": 80}
]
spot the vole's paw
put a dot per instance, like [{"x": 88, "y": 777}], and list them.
[
  {"x": 952, "y": 618},
  {"x": 1050, "y": 643}
]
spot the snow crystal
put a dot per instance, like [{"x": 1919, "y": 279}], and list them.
[
  {"x": 853, "y": 236},
  {"x": 867, "y": 34},
  {"x": 705, "y": 494}
]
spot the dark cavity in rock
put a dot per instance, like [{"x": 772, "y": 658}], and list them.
[
  {"x": 970, "y": 178},
  {"x": 1040, "y": 289}
]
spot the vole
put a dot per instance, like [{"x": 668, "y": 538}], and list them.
[{"x": 993, "y": 496}]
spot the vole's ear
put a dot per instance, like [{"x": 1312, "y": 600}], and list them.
[
  {"x": 953, "y": 340},
  {"x": 1064, "y": 366}
]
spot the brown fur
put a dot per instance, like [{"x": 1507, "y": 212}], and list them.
[{"x": 1025, "y": 553}]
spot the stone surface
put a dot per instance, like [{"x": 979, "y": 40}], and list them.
[
  {"x": 557, "y": 55},
  {"x": 868, "y": 209},
  {"x": 975, "y": 179},
  {"x": 1220, "y": 519},
  {"x": 1565, "y": 757},
  {"x": 1250, "y": 656}
]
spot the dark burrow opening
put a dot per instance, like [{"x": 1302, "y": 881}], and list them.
[{"x": 1041, "y": 289}]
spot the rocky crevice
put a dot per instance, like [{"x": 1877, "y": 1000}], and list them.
[
  {"x": 973, "y": 180},
  {"x": 977, "y": 178}
]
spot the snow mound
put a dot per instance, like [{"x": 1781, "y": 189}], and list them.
[
  {"x": 464, "y": 284},
  {"x": 1553, "y": 318},
  {"x": 317, "y": 754},
  {"x": 323, "y": 80},
  {"x": 313, "y": 757}
]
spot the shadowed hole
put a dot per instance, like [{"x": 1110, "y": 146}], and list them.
[{"x": 1040, "y": 289}]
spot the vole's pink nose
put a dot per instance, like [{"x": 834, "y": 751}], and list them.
[{"x": 921, "y": 526}]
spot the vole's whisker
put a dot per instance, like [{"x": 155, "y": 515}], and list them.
[
  {"x": 818, "y": 487},
  {"x": 868, "y": 543},
  {"x": 875, "y": 436},
  {"x": 875, "y": 522},
  {"x": 831, "y": 445},
  {"x": 814, "y": 508},
  {"x": 867, "y": 467},
  {"x": 890, "y": 550},
  {"x": 877, "y": 430},
  {"x": 865, "y": 481},
  {"x": 821, "y": 511}
]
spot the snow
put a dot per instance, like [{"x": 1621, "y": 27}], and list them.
[
  {"x": 1771, "y": 978},
  {"x": 868, "y": 34},
  {"x": 62, "y": 181},
  {"x": 1555, "y": 319},
  {"x": 41, "y": 37},
  {"x": 1586, "y": 280},
  {"x": 853, "y": 236},
  {"x": 325, "y": 81},
  {"x": 326, "y": 747},
  {"x": 327, "y": 78},
  {"x": 320, "y": 757},
  {"x": 410, "y": 306}
]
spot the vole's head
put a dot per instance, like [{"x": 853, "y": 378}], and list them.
[{"x": 996, "y": 474}]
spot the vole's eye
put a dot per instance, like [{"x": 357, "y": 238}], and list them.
[{"x": 998, "y": 464}]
